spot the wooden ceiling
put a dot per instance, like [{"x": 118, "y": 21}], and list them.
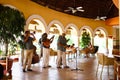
[{"x": 92, "y": 8}]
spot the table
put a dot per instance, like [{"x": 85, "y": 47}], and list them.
[{"x": 116, "y": 70}]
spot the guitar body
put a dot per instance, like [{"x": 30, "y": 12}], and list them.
[{"x": 46, "y": 43}]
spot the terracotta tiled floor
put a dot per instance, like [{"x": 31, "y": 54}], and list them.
[{"x": 88, "y": 65}]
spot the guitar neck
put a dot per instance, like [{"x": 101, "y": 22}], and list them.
[{"x": 52, "y": 37}]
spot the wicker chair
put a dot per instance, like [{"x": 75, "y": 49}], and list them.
[
  {"x": 88, "y": 51},
  {"x": 104, "y": 61},
  {"x": 53, "y": 52},
  {"x": 94, "y": 50}
]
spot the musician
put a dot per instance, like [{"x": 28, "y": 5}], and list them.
[
  {"x": 28, "y": 50},
  {"x": 61, "y": 46},
  {"x": 46, "y": 51}
]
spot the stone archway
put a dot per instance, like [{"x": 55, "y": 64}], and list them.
[
  {"x": 41, "y": 22},
  {"x": 35, "y": 17},
  {"x": 74, "y": 27},
  {"x": 89, "y": 30},
  {"x": 87, "y": 27},
  {"x": 103, "y": 29},
  {"x": 55, "y": 28},
  {"x": 101, "y": 39},
  {"x": 72, "y": 33},
  {"x": 58, "y": 24}
]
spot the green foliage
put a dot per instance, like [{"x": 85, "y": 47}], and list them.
[
  {"x": 0, "y": 51},
  {"x": 21, "y": 42},
  {"x": 70, "y": 42},
  {"x": 12, "y": 48},
  {"x": 85, "y": 40},
  {"x": 12, "y": 24}
]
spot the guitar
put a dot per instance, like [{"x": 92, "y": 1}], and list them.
[{"x": 47, "y": 42}]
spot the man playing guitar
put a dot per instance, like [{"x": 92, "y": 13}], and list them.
[
  {"x": 61, "y": 47},
  {"x": 46, "y": 51}
]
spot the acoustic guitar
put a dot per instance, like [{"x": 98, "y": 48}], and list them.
[{"x": 47, "y": 42}]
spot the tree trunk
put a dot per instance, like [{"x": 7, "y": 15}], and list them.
[{"x": 6, "y": 49}]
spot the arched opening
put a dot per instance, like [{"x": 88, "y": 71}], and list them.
[
  {"x": 100, "y": 40},
  {"x": 85, "y": 36},
  {"x": 54, "y": 30},
  {"x": 72, "y": 34},
  {"x": 36, "y": 25}
]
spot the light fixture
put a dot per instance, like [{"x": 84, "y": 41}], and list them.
[
  {"x": 74, "y": 9},
  {"x": 100, "y": 18}
]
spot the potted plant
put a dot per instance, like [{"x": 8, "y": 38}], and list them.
[
  {"x": 12, "y": 23},
  {"x": 85, "y": 39},
  {"x": 13, "y": 48},
  {"x": 0, "y": 52}
]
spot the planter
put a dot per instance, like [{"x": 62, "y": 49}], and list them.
[{"x": 7, "y": 64}]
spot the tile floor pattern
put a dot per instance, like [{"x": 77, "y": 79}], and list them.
[{"x": 88, "y": 65}]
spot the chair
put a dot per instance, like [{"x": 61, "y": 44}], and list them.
[
  {"x": 104, "y": 61},
  {"x": 94, "y": 50},
  {"x": 87, "y": 50},
  {"x": 53, "y": 52}
]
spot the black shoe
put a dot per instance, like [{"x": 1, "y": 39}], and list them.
[
  {"x": 44, "y": 67},
  {"x": 48, "y": 66},
  {"x": 24, "y": 70},
  {"x": 29, "y": 70},
  {"x": 59, "y": 67},
  {"x": 66, "y": 66}
]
